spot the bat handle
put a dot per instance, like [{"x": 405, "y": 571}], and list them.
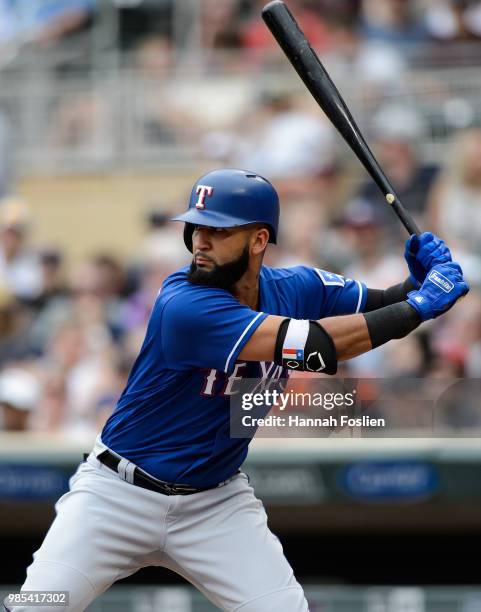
[{"x": 403, "y": 215}]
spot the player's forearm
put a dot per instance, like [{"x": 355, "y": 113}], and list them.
[
  {"x": 350, "y": 335},
  {"x": 356, "y": 334},
  {"x": 329, "y": 340}
]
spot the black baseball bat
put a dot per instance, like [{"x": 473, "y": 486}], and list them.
[{"x": 293, "y": 42}]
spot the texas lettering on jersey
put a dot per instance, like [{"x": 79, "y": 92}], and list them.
[
  {"x": 219, "y": 383},
  {"x": 172, "y": 419}
]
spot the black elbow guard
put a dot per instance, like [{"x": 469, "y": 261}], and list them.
[{"x": 305, "y": 345}]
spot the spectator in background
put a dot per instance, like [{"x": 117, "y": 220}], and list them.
[
  {"x": 153, "y": 63},
  {"x": 367, "y": 72},
  {"x": 162, "y": 239},
  {"x": 373, "y": 260},
  {"x": 287, "y": 140},
  {"x": 19, "y": 396},
  {"x": 82, "y": 123},
  {"x": 454, "y": 20},
  {"x": 455, "y": 202},
  {"x": 52, "y": 406},
  {"x": 90, "y": 298},
  {"x": 96, "y": 304},
  {"x": 54, "y": 301},
  {"x": 153, "y": 56},
  {"x": 162, "y": 112},
  {"x": 453, "y": 339},
  {"x": 346, "y": 11},
  {"x": 43, "y": 21},
  {"x": 14, "y": 329},
  {"x": 396, "y": 130},
  {"x": 57, "y": 19},
  {"x": 53, "y": 281},
  {"x": 110, "y": 276},
  {"x": 74, "y": 366},
  {"x": 220, "y": 37},
  {"x": 379, "y": 265},
  {"x": 219, "y": 25},
  {"x": 20, "y": 268},
  {"x": 111, "y": 386},
  {"x": 299, "y": 247},
  {"x": 292, "y": 140},
  {"x": 396, "y": 22},
  {"x": 160, "y": 253}
]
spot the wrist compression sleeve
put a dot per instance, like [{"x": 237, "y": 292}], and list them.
[
  {"x": 378, "y": 298},
  {"x": 390, "y": 322}
]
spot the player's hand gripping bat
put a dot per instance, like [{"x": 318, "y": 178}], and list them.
[{"x": 291, "y": 39}]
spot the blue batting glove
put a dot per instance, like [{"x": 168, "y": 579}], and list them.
[
  {"x": 443, "y": 287},
  {"x": 422, "y": 253}
]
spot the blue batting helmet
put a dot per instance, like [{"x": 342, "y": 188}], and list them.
[{"x": 230, "y": 198}]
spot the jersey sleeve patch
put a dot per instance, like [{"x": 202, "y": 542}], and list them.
[{"x": 330, "y": 278}]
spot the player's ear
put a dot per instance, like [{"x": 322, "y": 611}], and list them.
[{"x": 259, "y": 240}]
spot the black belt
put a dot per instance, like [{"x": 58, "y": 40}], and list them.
[{"x": 142, "y": 479}]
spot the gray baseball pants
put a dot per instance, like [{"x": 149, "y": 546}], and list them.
[{"x": 107, "y": 529}]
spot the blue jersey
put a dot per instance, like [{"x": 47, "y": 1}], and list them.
[{"x": 172, "y": 419}]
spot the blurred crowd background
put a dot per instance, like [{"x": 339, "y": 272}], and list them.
[{"x": 160, "y": 91}]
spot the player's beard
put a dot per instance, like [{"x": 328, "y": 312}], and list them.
[{"x": 223, "y": 276}]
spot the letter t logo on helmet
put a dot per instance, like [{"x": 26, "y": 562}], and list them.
[
  {"x": 241, "y": 198},
  {"x": 202, "y": 191}
]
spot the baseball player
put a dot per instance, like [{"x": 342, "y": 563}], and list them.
[{"x": 163, "y": 484}]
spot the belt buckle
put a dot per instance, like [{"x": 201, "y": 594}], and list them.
[
  {"x": 181, "y": 490},
  {"x": 170, "y": 489}
]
